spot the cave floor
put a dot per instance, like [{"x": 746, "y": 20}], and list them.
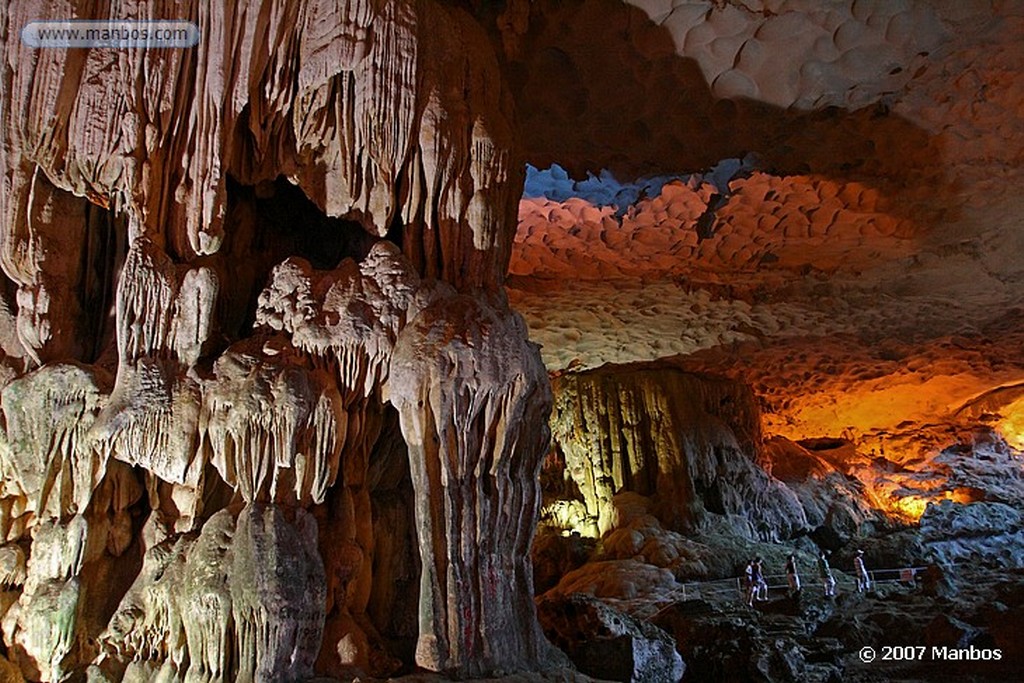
[{"x": 815, "y": 638}]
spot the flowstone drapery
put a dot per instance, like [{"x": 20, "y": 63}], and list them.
[
  {"x": 194, "y": 404},
  {"x": 465, "y": 383}
]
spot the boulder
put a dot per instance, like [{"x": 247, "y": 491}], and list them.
[
  {"x": 947, "y": 630},
  {"x": 608, "y": 644}
]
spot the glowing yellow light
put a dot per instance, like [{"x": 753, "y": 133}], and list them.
[
  {"x": 1011, "y": 427},
  {"x": 570, "y": 517},
  {"x": 911, "y": 507},
  {"x": 891, "y": 497}
]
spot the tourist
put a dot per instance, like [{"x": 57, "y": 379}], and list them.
[
  {"x": 863, "y": 580},
  {"x": 792, "y": 576},
  {"x": 760, "y": 585},
  {"x": 828, "y": 581},
  {"x": 749, "y": 586}
]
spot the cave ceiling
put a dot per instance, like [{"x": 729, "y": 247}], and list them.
[{"x": 857, "y": 260}]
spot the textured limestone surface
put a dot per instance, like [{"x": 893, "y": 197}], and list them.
[
  {"x": 212, "y": 260},
  {"x": 687, "y": 441}
]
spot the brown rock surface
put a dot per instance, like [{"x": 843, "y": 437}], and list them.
[{"x": 193, "y": 251}]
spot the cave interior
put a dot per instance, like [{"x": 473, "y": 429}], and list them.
[{"x": 469, "y": 339}]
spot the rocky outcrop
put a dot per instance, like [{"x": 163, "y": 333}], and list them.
[
  {"x": 833, "y": 500},
  {"x": 607, "y": 644},
  {"x": 689, "y": 442},
  {"x": 982, "y": 533}
]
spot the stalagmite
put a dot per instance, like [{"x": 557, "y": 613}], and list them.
[
  {"x": 473, "y": 396},
  {"x": 47, "y": 628},
  {"x": 277, "y": 594}
]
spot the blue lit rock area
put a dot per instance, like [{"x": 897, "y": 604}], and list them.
[{"x": 511, "y": 340}]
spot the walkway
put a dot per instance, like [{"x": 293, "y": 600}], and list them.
[{"x": 733, "y": 590}]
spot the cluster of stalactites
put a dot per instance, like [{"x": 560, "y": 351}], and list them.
[
  {"x": 275, "y": 428},
  {"x": 380, "y": 111},
  {"x": 389, "y": 114},
  {"x": 348, "y": 317},
  {"x": 689, "y": 441}
]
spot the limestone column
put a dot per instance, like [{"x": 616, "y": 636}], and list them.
[{"x": 473, "y": 398}]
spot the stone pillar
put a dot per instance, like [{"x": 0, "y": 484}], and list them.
[{"x": 474, "y": 398}]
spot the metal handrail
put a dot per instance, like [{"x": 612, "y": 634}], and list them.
[{"x": 716, "y": 587}]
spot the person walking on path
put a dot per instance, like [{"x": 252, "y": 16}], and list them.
[
  {"x": 749, "y": 587},
  {"x": 863, "y": 580},
  {"x": 828, "y": 582},
  {"x": 760, "y": 585},
  {"x": 792, "y": 577}
]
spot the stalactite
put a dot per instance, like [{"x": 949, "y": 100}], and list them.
[
  {"x": 164, "y": 321},
  {"x": 349, "y": 316},
  {"x": 42, "y": 257},
  {"x": 337, "y": 104}
]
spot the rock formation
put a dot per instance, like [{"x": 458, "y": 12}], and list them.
[
  {"x": 462, "y": 374},
  {"x": 687, "y": 441},
  {"x": 608, "y": 644},
  {"x": 223, "y": 266}
]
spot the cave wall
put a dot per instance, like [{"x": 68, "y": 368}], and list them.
[
  {"x": 691, "y": 443},
  {"x": 815, "y": 199}
]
